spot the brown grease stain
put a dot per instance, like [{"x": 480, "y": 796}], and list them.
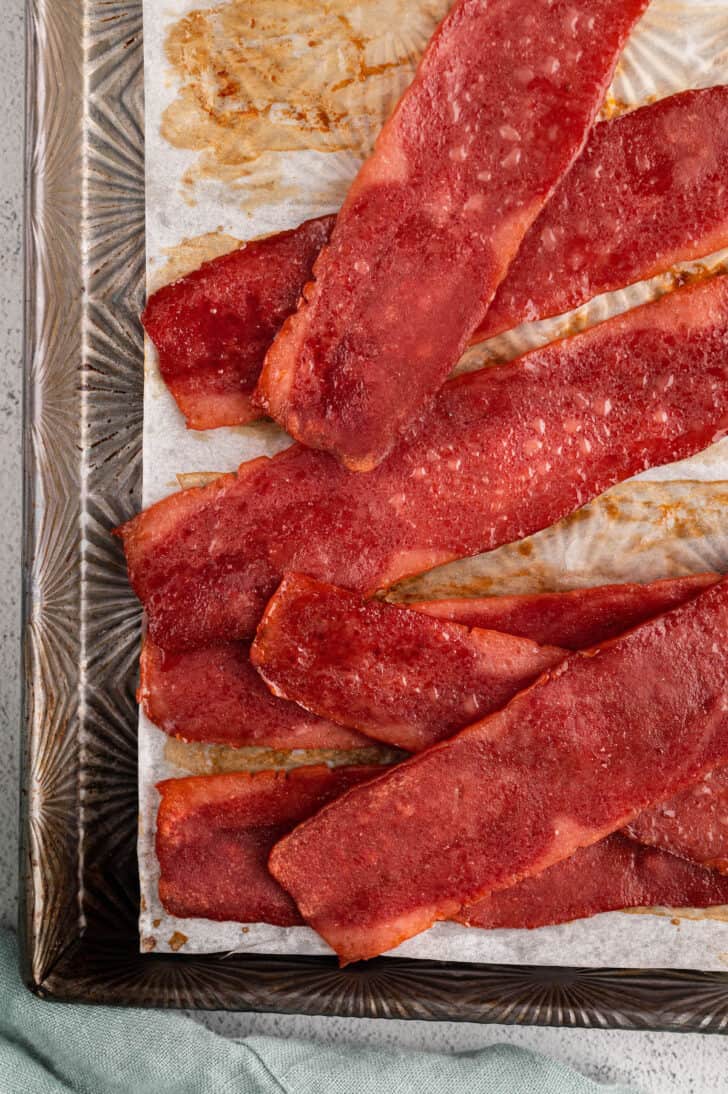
[
  {"x": 262, "y": 77},
  {"x": 189, "y": 480},
  {"x": 199, "y": 758},
  {"x": 612, "y": 107},
  {"x": 677, "y": 278},
  {"x": 188, "y": 255},
  {"x": 148, "y": 944},
  {"x": 638, "y": 531},
  {"x": 676, "y": 915},
  {"x": 177, "y": 940}
]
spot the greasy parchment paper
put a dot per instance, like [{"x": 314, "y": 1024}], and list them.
[{"x": 258, "y": 113}]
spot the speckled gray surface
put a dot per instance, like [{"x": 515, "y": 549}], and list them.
[
  {"x": 655, "y": 1063},
  {"x": 11, "y": 189}
]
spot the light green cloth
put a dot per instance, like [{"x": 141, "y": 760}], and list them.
[{"x": 55, "y": 1048}]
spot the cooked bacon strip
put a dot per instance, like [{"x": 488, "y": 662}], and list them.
[
  {"x": 612, "y": 874},
  {"x": 375, "y": 667},
  {"x": 568, "y": 761},
  {"x": 215, "y": 832},
  {"x": 648, "y": 191},
  {"x": 212, "y": 328},
  {"x": 500, "y": 454},
  {"x": 399, "y": 676},
  {"x": 574, "y": 620},
  {"x": 214, "y": 694},
  {"x": 239, "y": 710},
  {"x": 499, "y": 109},
  {"x": 693, "y": 824}
]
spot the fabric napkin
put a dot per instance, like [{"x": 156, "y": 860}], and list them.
[{"x": 56, "y": 1048}]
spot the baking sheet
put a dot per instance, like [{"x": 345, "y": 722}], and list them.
[{"x": 258, "y": 113}]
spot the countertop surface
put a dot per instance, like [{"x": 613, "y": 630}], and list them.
[{"x": 658, "y": 1063}]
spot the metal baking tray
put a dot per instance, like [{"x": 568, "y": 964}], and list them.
[{"x": 83, "y": 405}]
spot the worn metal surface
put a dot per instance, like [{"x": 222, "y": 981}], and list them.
[{"x": 84, "y": 254}]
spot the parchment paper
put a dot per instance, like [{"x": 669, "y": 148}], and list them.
[{"x": 229, "y": 161}]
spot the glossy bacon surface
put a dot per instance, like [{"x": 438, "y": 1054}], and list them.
[
  {"x": 567, "y": 762},
  {"x": 399, "y": 676},
  {"x": 499, "y": 454},
  {"x": 213, "y": 327},
  {"x": 499, "y": 109},
  {"x": 605, "y": 877},
  {"x": 648, "y": 191},
  {"x": 573, "y": 620},
  {"x": 214, "y": 694},
  {"x": 693, "y": 824},
  {"x": 214, "y": 834}
]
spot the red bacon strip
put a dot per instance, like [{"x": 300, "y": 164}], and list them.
[
  {"x": 239, "y": 710},
  {"x": 214, "y": 694},
  {"x": 693, "y": 824},
  {"x": 214, "y": 834},
  {"x": 605, "y": 877},
  {"x": 647, "y": 192},
  {"x": 499, "y": 454},
  {"x": 399, "y": 676},
  {"x": 213, "y": 327},
  {"x": 573, "y": 620},
  {"x": 374, "y": 667},
  {"x": 499, "y": 109},
  {"x": 568, "y": 761}
]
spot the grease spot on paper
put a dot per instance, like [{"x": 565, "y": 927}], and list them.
[
  {"x": 198, "y": 758},
  {"x": 262, "y": 77},
  {"x": 188, "y": 255},
  {"x": 638, "y": 531}
]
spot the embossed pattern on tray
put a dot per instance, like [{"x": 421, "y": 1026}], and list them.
[{"x": 85, "y": 249}]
